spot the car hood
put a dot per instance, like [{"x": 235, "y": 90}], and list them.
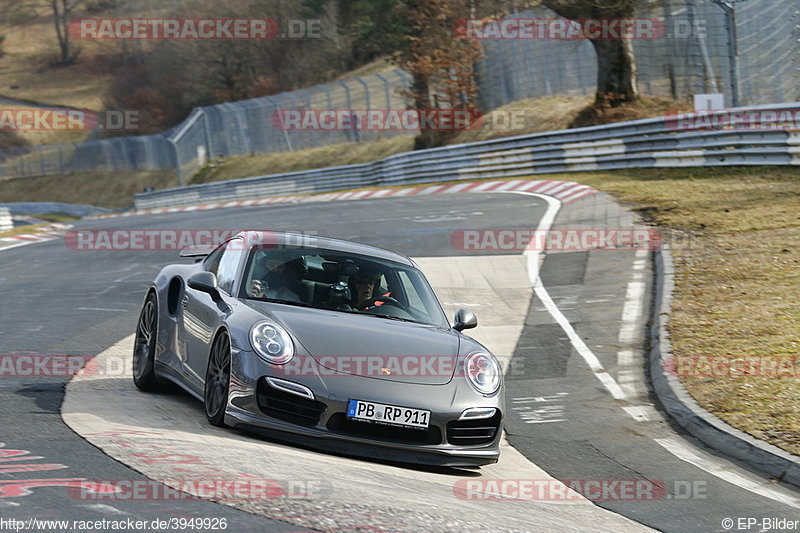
[{"x": 369, "y": 346}]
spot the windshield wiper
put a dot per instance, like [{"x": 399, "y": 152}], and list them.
[
  {"x": 279, "y": 301},
  {"x": 390, "y": 317}
]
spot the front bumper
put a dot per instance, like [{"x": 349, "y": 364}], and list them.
[{"x": 320, "y": 423}]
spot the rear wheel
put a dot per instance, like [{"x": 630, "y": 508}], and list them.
[
  {"x": 218, "y": 378},
  {"x": 144, "y": 346}
]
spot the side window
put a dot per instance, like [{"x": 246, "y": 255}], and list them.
[
  {"x": 211, "y": 263},
  {"x": 411, "y": 291},
  {"x": 229, "y": 264}
]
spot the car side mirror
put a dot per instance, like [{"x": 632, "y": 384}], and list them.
[
  {"x": 464, "y": 319},
  {"x": 205, "y": 282}
]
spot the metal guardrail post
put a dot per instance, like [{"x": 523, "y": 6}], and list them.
[
  {"x": 179, "y": 172},
  {"x": 6, "y": 223},
  {"x": 729, "y": 8},
  {"x": 386, "y": 90},
  {"x": 352, "y": 133}
]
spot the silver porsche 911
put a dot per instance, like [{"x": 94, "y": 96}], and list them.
[{"x": 325, "y": 343}]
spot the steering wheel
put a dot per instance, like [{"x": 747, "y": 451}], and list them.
[{"x": 387, "y": 300}]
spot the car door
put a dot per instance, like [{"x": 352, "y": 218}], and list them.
[{"x": 202, "y": 315}]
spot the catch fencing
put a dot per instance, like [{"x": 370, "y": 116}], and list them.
[
  {"x": 223, "y": 130},
  {"x": 748, "y": 50},
  {"x": 646, "y": 143}
]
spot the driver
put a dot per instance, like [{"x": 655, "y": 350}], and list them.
[
  {"x": 276, "y": 278},
  {"x": 363, "y": 286}
]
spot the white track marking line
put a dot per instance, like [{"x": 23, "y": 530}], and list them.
[
  {"x": 632, "y": 311},
  {"x": 23, "y": 243},
  {"x": 674, "y": 445},
  {"x": 720, "y": 469},
  {"x": 533, "y": 256},
  {"x": 107, "y": 289},
  {"x": 123, "y": 278},
  {"x": 106, "y": 509}
]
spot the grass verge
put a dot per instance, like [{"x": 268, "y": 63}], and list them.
[
  {"x": 104, "y": 189},
  {"x": 737, "y": 282},
  {"x": 22, "y": 230}
]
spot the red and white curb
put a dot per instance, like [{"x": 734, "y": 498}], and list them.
[
  {"x": 47, "y": 233},
  {"x": 566, "y": 191}
]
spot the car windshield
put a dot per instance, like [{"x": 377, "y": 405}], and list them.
[{"x": 341, "y": 281}]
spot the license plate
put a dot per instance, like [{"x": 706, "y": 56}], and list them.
[{"x": 392, "y": 415}]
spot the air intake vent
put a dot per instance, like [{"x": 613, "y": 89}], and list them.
[
  {"x": 288, "y": 407},
  {"x": 473, "y": 432}
]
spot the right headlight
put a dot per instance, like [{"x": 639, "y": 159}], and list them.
[
  {"x": 483, "y": 372},
  {"x": 272, "y": 342}
]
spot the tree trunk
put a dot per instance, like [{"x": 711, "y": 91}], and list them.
[
  {"x": 616, "y": 65},
  {"x": 61, "y": 21},
  {"x": 616, "y": 72},
  {"x": 422, "y": 101}
]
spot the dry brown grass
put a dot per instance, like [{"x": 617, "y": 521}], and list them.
[
  {"x": 22, "y": 230},
  {"x": 320, "y": 157},
  {"x": 113, "y": 190},
  {"x": 737, "y": 283},
  {"x": 26, "y": 74},
  {"x": 644, "y": 107}
]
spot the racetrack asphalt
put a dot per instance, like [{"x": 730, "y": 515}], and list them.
[{"x": 61, "y": 301}]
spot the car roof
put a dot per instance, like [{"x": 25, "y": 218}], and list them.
[{"x": 277, "y": 238}]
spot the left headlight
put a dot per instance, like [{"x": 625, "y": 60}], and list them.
[
  {"x": 272, "y": 342},
  {"x": 483, "y": 372}
]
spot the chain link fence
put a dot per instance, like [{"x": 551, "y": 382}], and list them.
[
  {"x": 240, "y": 128},
  {"x": 252, "y": 126},
  {"x": 749, "y": 50}
]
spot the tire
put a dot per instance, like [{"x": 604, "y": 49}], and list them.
[
  {"x": 218, "y": 379},
  {"x": 144, "y": 346}
]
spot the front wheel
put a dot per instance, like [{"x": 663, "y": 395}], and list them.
[
  {"x": 144, "y": 346},
  {"x": 218, "y": 378}
]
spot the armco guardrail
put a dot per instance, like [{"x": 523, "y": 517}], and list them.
[
  {"x": 5, "y": 219},
  {"x": 641, "y": 143}
]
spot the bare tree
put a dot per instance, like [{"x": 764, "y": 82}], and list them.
[
  {"x": 62, "y": 10},
  {"x": 616, "y": 64}
]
